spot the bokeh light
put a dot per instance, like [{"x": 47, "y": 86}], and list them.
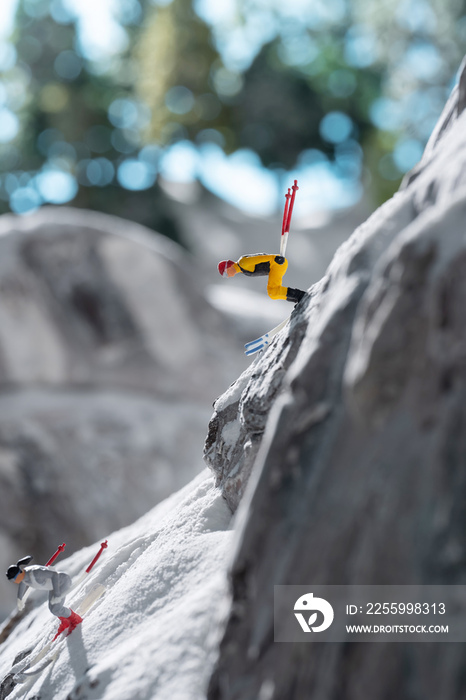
[
  {"x": 135, "y": 175},
  {"x": 179, "y": 100},
  {"x": 9, "y": 125},
  {"x": 68, "y": 65},
  {"x": 336, "y": 127},
  {"x": 360, "y": 47},
  {"x": 56, "y": 186},
  {"x": 25, "y": 200}
]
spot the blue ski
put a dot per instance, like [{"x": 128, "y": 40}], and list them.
[{"x": 260, "y": 343}]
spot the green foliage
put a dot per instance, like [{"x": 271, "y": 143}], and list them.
[
  {"x": 386, "y": 65},
  {"x": 176, "y": 57},
  {"x": 356, "y": 84},
  {"x": 79, "y": 126}
]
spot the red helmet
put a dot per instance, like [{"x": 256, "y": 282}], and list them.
[{"x": 224, "y": 267}]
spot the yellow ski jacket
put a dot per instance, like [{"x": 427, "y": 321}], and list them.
[{"x": 274, "y": 266}]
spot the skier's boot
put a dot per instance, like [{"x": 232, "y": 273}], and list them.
[
  {"x": 294, "y": 295},
  {"x": 64, "y": 624},
  {"x": 74, "y": 620}
]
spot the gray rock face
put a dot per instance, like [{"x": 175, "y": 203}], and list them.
[
  {"x": 110, "y": 358},
  {"x": 352, "y": 426},
  {"x": 238, "y": 423}
]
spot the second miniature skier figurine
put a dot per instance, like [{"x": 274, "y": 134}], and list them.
[
  {"x": 44, "y": 578},
  {"x": 274, "y": 266}
]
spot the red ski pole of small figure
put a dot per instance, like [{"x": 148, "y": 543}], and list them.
[
  {"x": 57, "y": 553},
  {"x": 103, "y": 546}
]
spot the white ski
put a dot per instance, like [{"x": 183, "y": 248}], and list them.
[{"x": 260, "y": 343}]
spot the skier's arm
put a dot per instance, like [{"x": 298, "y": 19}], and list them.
[
  {"x": 259, "y": 264},
  {"x": 55, "y": 584},
  {"x": 22, "y": 588}
]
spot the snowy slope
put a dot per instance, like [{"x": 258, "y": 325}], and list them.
[{"x": 151, "y": 634}]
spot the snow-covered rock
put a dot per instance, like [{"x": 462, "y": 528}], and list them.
[
  {"x": 153, "y": 632},
  {"x": 350, "y": 430},
  {"x": 110, "y": 358}
]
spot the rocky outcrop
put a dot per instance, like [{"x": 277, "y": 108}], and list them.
[
  {"x": 351, "y": 429},
  {"x": 110, "y": 358},
  {"x": 241, "y": 413}
]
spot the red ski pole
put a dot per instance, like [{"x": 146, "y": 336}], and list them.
[
  {"x": 84, "y": 574},
  {"x": 57, "y": 553},
  {"x": 103, "y": 546},
  {"x": 285, "y": 211},
  {"x": 290, "y": 209},
  {"x": 287, "y": 217}
]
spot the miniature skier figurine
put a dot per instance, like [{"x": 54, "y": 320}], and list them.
[
  {"x": 262, "y": 264},
  {"x": 45, "y": 578},
  {"x": 272, "y": 265}
]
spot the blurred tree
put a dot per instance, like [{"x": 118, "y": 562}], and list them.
[
  {"x": 176, "y": 57},
  {"x": 79, "y": 133},
  {"x": 342, "y": 74},
  {"x": 351, "y": 86}
]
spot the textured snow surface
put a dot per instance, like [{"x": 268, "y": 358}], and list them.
[{"x": 151, "y": 634}]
